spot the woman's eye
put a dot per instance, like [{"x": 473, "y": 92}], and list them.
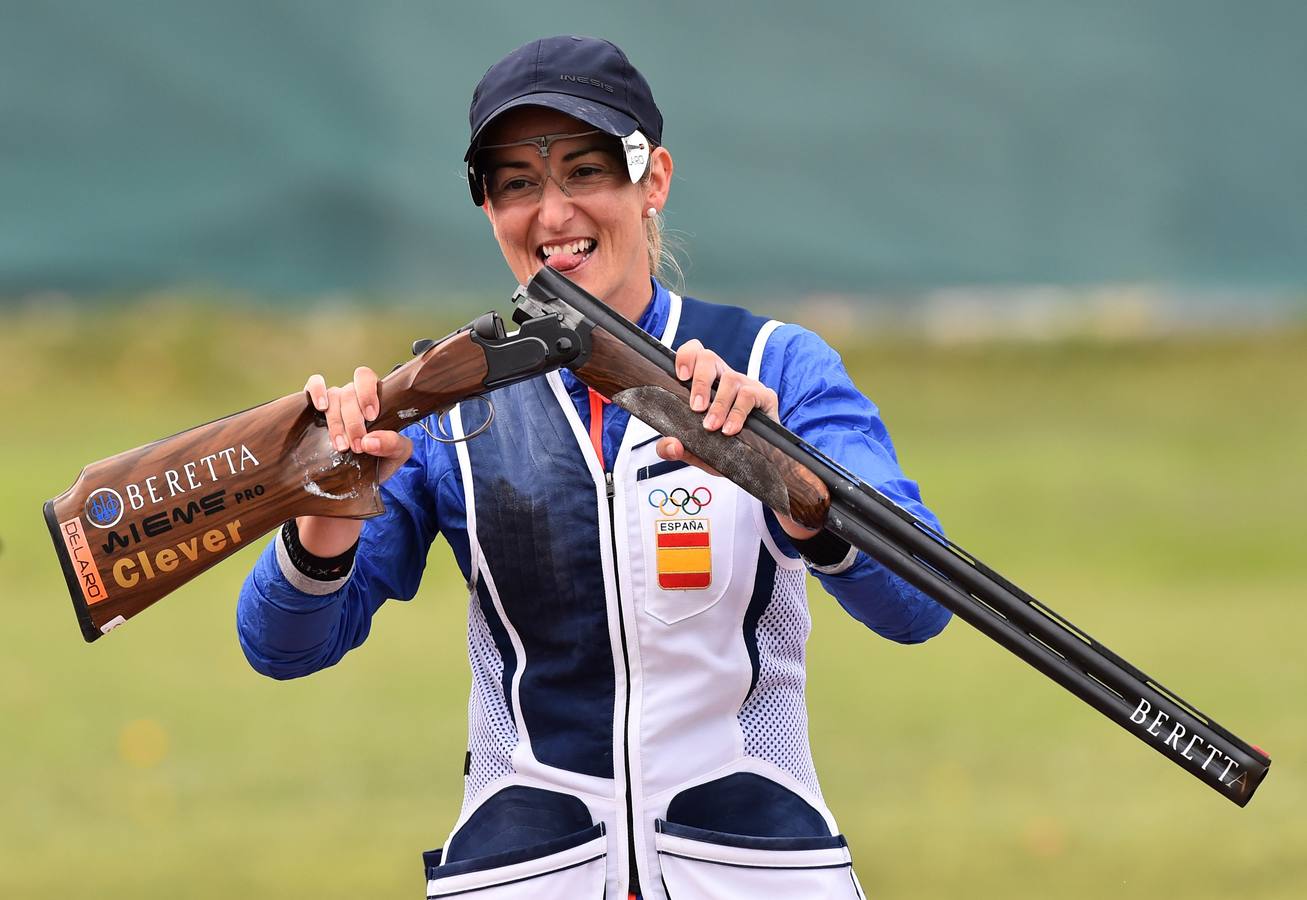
[
  {"x": 587, "y": 176},
  {"x": 515, "y": 184}
]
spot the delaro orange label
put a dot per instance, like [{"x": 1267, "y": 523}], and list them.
[
  {"x": 684, "y": 554},
  {"x": 88, "y": 576}
]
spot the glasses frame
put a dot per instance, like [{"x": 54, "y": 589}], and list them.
[
  {"x": 542, "y": 142},
  {"x": 635, "y": 149}
]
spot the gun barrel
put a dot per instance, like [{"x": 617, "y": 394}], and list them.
[
  {"x": 912, "y": 549},
  {"x": 1004, "y": 612},
  {"x": 1061, "y": 651}
]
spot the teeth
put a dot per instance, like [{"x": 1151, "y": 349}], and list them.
[{"x": 584, "y": 245}]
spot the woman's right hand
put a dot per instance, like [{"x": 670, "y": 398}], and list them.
[{"x": 348, "y": 409}]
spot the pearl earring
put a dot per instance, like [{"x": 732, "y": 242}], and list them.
[{"x": 651, "y": 212}]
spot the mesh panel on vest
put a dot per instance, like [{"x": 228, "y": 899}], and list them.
[
  {"x": 775, "y": 717},
  {"x": 491, "y": 731}
]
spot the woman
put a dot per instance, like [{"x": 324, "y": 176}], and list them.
[{"x": 636, "y": 624}]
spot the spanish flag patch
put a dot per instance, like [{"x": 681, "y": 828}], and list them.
[{"x": 684, "y": 554}]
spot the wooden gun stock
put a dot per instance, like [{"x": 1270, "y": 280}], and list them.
[{"x": 138, "y": 525}]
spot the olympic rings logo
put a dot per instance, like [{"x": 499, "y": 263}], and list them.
[{"x": 680, "y": 499}]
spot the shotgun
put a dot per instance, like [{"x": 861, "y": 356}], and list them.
[
  {"x": 790, "y": 476},
  {"x": 140, "y": 524}
]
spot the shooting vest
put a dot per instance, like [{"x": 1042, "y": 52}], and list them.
[{"x": 636, "y": 640}]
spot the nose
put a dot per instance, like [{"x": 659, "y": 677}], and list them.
[{"x": 555, "y": 205}]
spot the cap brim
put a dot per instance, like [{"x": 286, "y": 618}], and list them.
[{"x": 605, "y": 118}]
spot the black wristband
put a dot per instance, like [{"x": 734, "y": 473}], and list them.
[
  {"x": 822, "y": 549},
  {"x": 318, "y": 568}
]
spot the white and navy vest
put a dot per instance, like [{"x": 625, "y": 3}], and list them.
[{"x": 637, "y": 644}]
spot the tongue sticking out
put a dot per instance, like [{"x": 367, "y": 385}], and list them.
[{"x": 565, "y": 261}]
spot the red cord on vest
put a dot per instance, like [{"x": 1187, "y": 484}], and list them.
[{"x": 597, "y": 402}]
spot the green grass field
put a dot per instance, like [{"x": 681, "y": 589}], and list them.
[{"x": 1152, "y": 492}]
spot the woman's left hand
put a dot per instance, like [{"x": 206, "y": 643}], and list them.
[{"x": 737, "y": 396}]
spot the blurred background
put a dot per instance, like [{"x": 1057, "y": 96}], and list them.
[{"x": 1063, "y": 246}]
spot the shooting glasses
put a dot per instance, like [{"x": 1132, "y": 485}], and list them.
[{"x": 515, "y": 182}]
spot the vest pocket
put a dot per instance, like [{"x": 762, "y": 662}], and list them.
[
  {"x": 704, "y": 865},
  {"x": 687, "y": 531},
  {"x": 562, "y": 869}
]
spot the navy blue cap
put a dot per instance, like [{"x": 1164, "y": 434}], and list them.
[{"x": 587, "y": 78}]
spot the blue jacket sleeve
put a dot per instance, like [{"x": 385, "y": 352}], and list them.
[
  {"x": 290, "y": 626},
  {"x": 820, "y": 404}
]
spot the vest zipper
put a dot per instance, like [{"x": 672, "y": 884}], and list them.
[
  {"x": 633, "y": 881},
  {"x": 597, "y": 403}
]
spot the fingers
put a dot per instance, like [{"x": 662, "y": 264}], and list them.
[
  {"x": 345, "y": 424},
  {"x": 316, "y": 388},
  {"x": 752, "y": 395},
  {"x": 746, "y": 401},
  {"x": 387, "y": 445},
  {"x": 351, "y": 417},
  {"x": 365, "y": 386},
  {"x": 737, "y": 395},
  {"x": 335, "y": 427},
  {"x": 685, "y": 357},
  {"x": 391, "y": 447},
  {"x": 704, "y": 366},
  {"x": 348, "y": 409},
  {"x": 672, "y": 448},
  {"x": 728, "y": 392}
]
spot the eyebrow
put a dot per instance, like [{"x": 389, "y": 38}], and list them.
[{"x": 593, "y": 148}]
